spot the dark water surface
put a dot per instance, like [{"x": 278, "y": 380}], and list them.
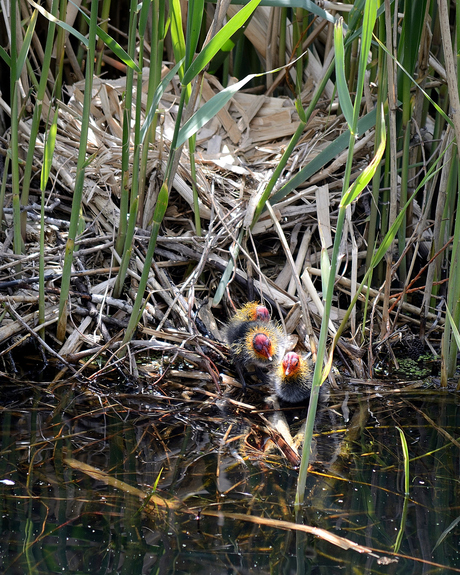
[{"x": 206, "y": 456}]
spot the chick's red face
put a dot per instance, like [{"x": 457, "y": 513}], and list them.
[
  {"x": 262, "y": 313},
  {"x": 291, "y": 363},
  {"x": 262, "y": 345}
]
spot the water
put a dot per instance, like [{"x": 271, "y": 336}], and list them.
[{"x": 210, "y": 461}]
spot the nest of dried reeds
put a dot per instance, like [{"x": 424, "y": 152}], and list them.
[{"x": 237, "y": 152}]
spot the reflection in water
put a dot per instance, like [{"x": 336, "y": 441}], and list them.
[{"x": 58, "y": 519}]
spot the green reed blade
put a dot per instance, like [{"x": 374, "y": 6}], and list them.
[
  {"x": 446, "y": 532},
  {"x": 5, "y": 57},
  {"x": 369, "y": 18},
  {"x": 134, "y": 192},
  {"x": 26, "y": 45},
  {"x": 108, "y": 40},
  {"x": 3, "y": 185},
  {"x": 454, "y": 328},
  {"x": 209, "y": 110},
  {"x": 144, "y": 17},
  {"x": 331, "y": 152},
  {"x": 159, "y": 213},
  {"x": 370, "y": 12},
  {"x": 289, "y": 4},
  {"x": 417, "y": 85},
  {"x": 406, "y": 459},
  {"x": 177, "y": 35},
  {"x": 450, "y": 348},
  {"x": 341, "y": 82},
  {"x": 216, "y": 43},
  {"x": 368, "y": 173},
  {"x": 122, "y": 243},
  {"x": 36, "y": 118},
  {"x": 80, "y": 176},
  {"x": 48, "y": 153},
  {"x": 234, "y": 251},
  {"x": 14, "y": 142},
  {"x": 60, "y": 23},
  {"x": 114, "y": 46},
  {"x": 194, "y": 22},
  {"x": 196, "y": 205},
  {"x": 156, "y": 99},
  {"x": 154, "y": 79},
  {"x": 105, "y": 13}
]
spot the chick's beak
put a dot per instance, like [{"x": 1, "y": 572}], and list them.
[
  {"x": 290, "y": 363},
  {"x": 267, "y": 352}
]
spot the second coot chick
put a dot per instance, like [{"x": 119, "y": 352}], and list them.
[{"x": 253, "y": 339}]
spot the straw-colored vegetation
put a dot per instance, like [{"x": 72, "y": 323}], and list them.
[{"x": 206, "y": 154}]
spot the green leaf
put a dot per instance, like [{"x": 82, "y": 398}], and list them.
[
  {"x": 300, "y": 110},
  {"x": 125, "y": 142},
  {"x": 368, "y": 173},
  {"x": 26, "y": 45},
  {"x": 156, "y": 98},
  {"x": 160, "y": 207},
  {"x": 411, "y": 34},
  {"x": 330, "y": 153},
  {"x": 63, "y": 25},
  {"x": 455, "y": 331},
  {"x": 342, "y": 87},
  {"x": 405, "y": 451},
  {"x": 177, "y": 34},
  {"x": 305, "y": 4},
  {"x": 111, "y": 43},
  {"x": 49, "y": 152},
  {"x": 223, "y": 284},
  {"x": 370, "y": 14},
  {"x": 194, "y": 20},
  {"x": 209, "y": 110},
  {"x": 417, "y": 85},
  {"x": 5, "y": 57},
  {"x": 144, "y": 15},
  {"x": 88, "y": 160},
  {"x": 216, "y": 43},
  {"x": 446, "y": 532},
  {"x": 355, "y": 15}
]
